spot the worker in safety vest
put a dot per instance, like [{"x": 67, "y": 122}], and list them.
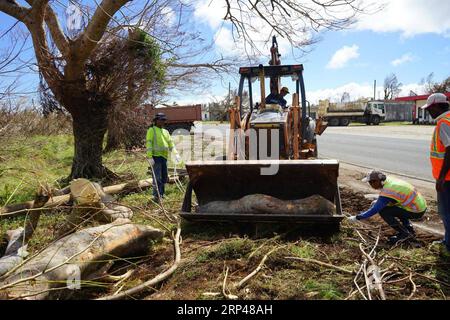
[
  {"x": 159, "y": 146},
  {"x": 439, "y": 108},
  {"x": 398, "y": 202}
]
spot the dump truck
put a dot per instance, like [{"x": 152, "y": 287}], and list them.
[
  {"x": 342, "y": 114},
  {"x": 271, "y": 161},
  {"x": 178, "y": 117}
]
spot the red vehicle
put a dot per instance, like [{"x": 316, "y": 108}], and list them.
[{"x": 178, "y": 117}]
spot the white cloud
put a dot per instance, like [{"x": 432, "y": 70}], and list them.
[
  {"x": 169, "y": 15},
  {"x": 408, "y": 57},
  {"x": 356, "y": 91},
  {"x": 210, "y": 12},
  {"x": 410, "y": 17},
  {"x": 343, "y": 56}
]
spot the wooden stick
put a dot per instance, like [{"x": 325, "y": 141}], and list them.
[
  {"x": 224, "y": 288},
  {"x": 244, "y": 281},
  {"x": 414, "y": 287},
  {"x": 159, "y": 278}
]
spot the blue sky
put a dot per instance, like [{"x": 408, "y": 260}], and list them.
[{"x": 410, "y": 38}]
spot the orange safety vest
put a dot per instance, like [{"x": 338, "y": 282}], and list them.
[{"x": 437, "y": 153}]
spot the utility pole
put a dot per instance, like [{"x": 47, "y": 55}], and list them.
[{"x": 375, "y": 90}]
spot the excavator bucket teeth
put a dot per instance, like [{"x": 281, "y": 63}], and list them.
[{"x": 285, "y": 180}]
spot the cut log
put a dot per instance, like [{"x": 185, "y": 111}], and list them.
[
  {"x": 16, "y": 249},
  {"x": 57, "y": 271},
  {"x": 91, "y": 203},
  {"x": 18, "y": 209},
  {"x": 263, "y": 204}
]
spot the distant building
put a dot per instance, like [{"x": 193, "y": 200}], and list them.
[
  {"x": 419, "y": 116},
  {"x": 206, "y": 114}
]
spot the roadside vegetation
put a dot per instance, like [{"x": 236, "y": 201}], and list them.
[{"x": 293, "y": 264}]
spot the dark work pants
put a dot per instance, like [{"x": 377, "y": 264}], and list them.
[
  {"x": 444, "y": 211},
  {"x": 161, "y": 177},
  {"x": 398, "y": 219}
]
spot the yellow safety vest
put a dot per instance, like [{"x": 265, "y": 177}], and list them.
[
  {"x": 405, "y": 195},
  {"x": 159, "y": 142}
]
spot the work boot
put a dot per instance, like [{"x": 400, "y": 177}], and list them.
[
  {"x": 156, "y": 200},
  {"x": 411, "y": 230},
  {"x": 399, "y": 237}
]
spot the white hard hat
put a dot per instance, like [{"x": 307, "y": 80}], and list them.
[{"x": 434, "y": 99}]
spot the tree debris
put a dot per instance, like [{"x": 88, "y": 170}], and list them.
[
  {"x": 64, "y": 264},
  {"x": 263, "y": 204}
]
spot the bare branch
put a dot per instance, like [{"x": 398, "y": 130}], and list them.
[
  {"x": 55, "y": 30},
  {"x": 96, "y": 28},
  {"x": 10, "y": 7}
]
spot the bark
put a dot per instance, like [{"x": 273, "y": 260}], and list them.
[
  {"x": 263, "y": 204},
  {"x": 18, "y": 209},
  {"x": 18, "y": 239},
  {"x": 53, "y": 272},
  {"x": 89, "y": 128},
  {"x": 91, "y": 203}
]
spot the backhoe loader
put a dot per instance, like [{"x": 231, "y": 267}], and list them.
[{"x": 272, "y": 152}]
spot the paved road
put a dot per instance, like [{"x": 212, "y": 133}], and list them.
[
  {"x": 376, "y": 147},
  {"x": 405, "y": 156}
]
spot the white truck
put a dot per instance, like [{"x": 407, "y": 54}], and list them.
[{"x": 342, "y": 114}]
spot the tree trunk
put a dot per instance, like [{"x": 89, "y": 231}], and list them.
[{"x": 89, "y": 128}]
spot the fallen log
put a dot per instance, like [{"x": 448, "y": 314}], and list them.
[
  {"x": 16, "y": 249},
  {"x": 18, "y": 209},
  {"x": 60, "y": 269},
  {"x": 263, "y": 204},
  {"x": 91, "y": 203}
]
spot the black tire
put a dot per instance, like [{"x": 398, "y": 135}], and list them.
[
  {"x": 344, "y": 122},
  {"x": 316, "y": 149},
  {"x": 333, "y": 122},
  {"x": 376, "y": 120}
]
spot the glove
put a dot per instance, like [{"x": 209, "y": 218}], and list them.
[
  {"x": 151, "y": 162},
  {"x": 177, "y": 158},
  {"x": 352, "y": 219}
]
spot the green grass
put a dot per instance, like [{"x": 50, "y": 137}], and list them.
[
  {"x": 228, "y": 250},
  {"x": 27, "y": 163},
  {"x": 207, "y": 248}
]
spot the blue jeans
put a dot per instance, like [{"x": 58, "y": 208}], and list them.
[
  {"x": 160, "y": 179},
  {"x": 399, "y": 219},
  {"x": 444, "y": 211}
]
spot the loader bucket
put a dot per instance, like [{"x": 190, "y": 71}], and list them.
[{"x": 233, "y": 180}]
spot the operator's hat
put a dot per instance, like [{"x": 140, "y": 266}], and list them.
[
  {"x": 374, "y": 175},
  {"x": 435, "y": 99},
  {"x": 285, "y": 89},
  {"x": 160, "y": 116}
]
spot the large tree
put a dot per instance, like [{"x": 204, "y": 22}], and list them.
[
  {"x": 431, "y": 86},
  {"x": 64, "y": 58},
  {"x": 392, "y": 87}
]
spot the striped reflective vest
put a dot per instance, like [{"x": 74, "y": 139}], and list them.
[
  {"x": 159, "y": 142},
  {"x": 437, "y": 152},
  {"x": 405, "y": 195}
]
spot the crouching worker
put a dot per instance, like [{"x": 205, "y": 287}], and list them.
[
  {"x": 159, "y": 145},
  {"x": 398, "y": 203}
]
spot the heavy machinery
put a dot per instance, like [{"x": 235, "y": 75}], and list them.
[
  {"x": 342, "y": 114},
  {"x": 272, "y": 151}
]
